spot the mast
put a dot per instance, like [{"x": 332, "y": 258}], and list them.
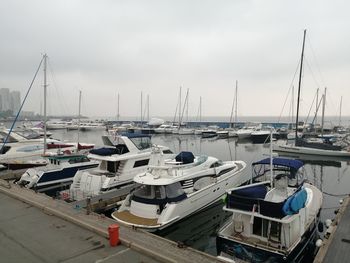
[
  {"x": 316, "y": 105},
  {"x": 232, "y": 109},
  {"x": 45, "y": 91},
  {"x": 79, "y": 119},
  {"x": 200, "y": 109},
  {"x": 187, "y": 106},
  {"x": 299, "y": 85},
  {"x": 118, "y": 108},
  {"x": 148, "y": 107},
  {"x": 236, "y": 96},
  {"x": 271, "y": 159},
  {"x": 292, "y": 102},
  {"x": 341, "y": 101},
  {"x": 323, "y": 110},
  {"x": 180, "y": 108},
  {"x": 141, "y": 109},
  {"x": 183, "y": 109}
]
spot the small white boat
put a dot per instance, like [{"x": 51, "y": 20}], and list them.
[
  {"x": 246, "y": 131},
  {"x": 186, "y": 131},
  {"x": 172, "y": 189}
]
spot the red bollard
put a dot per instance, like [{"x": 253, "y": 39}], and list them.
[{"x": 113, "y": 231}]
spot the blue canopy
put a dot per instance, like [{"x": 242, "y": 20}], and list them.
[
  {"x": 185, "y": 157},
  {"x": 135, "y": 135},
  {"x": 296, "y": 164}
]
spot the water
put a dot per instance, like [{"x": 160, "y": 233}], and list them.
[{"x": 331, "y": 175}]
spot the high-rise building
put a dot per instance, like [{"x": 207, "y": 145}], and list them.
[
  {"x": 15, "y": 101},
  {"x": 5, "y": 99}
]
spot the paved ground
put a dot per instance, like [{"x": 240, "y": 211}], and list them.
[
  {"x": 153, "y": 246},
  {"x": 27, "y": 234},
  {"x": 339, "y": 248}
]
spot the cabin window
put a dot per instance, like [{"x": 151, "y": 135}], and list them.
[
  {"x": 145, "y": 191},
  {"x": 159, "y": 192},
  {"x": 141, "y": 163},
  {"x": 167, "y": 151},
  {"x": 174, "y": 190},
  {"x": 260, "y": 226},
  {"x": 142, "y": 142},
  {"x": 216, "y": 164}
]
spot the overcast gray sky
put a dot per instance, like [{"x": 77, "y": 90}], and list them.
[{"x": 109, "y": 47}]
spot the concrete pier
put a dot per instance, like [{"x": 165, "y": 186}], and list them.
[
  {"x": 52, "y": 223},
  {"x": 336, "y": 242}
]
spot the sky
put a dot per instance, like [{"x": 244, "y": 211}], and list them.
[{"x": 110, "y": 47}]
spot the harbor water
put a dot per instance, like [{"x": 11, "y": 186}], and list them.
[{"x": 331, "y": 176}]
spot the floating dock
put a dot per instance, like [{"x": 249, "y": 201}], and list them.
[
  {"x": 336, "y": 242},
  {"x": 43, "y": 229}
]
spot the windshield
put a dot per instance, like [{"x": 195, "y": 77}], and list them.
[{"x": 142, "y": 142}]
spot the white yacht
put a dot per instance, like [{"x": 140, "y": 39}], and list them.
[
  {"x": 164, "y": 128},
  {"x": 273, "y": 220},
  {"x": 127, "y": 155},
  {"x": 172, "y": 189},
  {"x": 18, "y": 146},
  {"x": 246, "y": 131}
]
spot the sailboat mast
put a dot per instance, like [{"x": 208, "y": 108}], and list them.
[
  {"x": 323, "y": 110},
  {"x": 299, "y": 85},
  {"x": 316, "y": 105},
  {"x": 45, "y": 93},
  {"x": 148, "y": 107},
  {"x": 141, "y": 109},
  {"x": 341, "y": 101},
  {"x": 200, "y": 109},
  {"x": 180, "y": 108},
  {"x": 232, "y": 109},
  {"x": 187, "y": 106},
  {"x": 236, "y": 96},
  {"x": 292, "y": 102},
  {"x": 79, "y": 109},
  {"x": 118, "y": 108}
]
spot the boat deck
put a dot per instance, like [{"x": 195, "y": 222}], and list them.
[{"x": 126, "y": 216}]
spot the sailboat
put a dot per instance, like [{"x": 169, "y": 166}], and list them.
[{"x": 301, "y": 146}]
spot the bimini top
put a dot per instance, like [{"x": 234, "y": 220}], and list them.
[
  {"x": 134, "y": 135},
  {"x": 296, "y": 164}
]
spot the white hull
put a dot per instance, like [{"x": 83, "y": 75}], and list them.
[
  {"x": 195, "y": 201},
  {"x": 311, "y": 151}
]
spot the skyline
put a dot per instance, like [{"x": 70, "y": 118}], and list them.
[{"x": 110, "y": 47}]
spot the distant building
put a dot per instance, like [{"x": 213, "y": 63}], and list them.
[
  {"x": 5, "y": 99},
  {"x": 15, "y": 102}
]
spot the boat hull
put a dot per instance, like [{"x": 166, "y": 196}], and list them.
[
  {"x": 310, "y": 151},
  {"x": 303, "y": 252},
  {"x": 195, "y": 202}
]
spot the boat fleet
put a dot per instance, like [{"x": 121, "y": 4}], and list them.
[{"x": 275, "y": 213}]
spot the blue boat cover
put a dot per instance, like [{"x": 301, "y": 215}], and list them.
[
  {"x": 296, "y": 164},
  {"x": 134, "y": 135},
  {"x": 105, "y": 151},
  {"x": 254, "y": 192},
  {"x": 185, "y": 157},
  {"x": 295, "y": 202}
]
